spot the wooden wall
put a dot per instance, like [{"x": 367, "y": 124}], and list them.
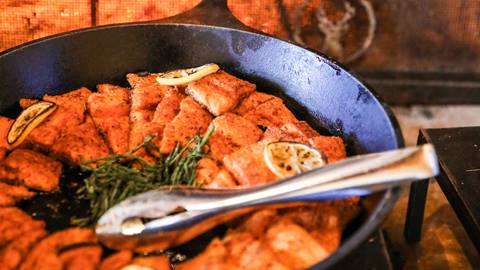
[{"x": 422, "y": 51}]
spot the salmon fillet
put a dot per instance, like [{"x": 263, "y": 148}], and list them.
[
  {"x": 214, "y": 257},
  {"x": 250, "y": 252},
  {"x": 145, "y": 95},
  {"x": 219, "y": 92},
  {"x": 270, "y": 113},
  {"x": 31, "y": 169},
  {"x": 293, "y": 246},
  {"x": 206, "y": 170},
  {"x": 154, "y": 262},
  {"x": 13, "y": 254},
  {"x": 231, "y": 133},
  {"x": 14, "y": 222},
  {"x": 69, "y": 114},
  {"x": 321, "y": 220},
  {"x": 191, "y": 120},
  {"x": 247, "y": 165},
  {"x": 165, "y": 112},
  {"x": 81, "y": 258},
  {"x": 10, "y": 194},
  {"x": 110, "y": 109},
  {"x": 82, "y": 144},
  {"x": 44, "y": 255},
  {"x": 5, "y": 124},
  {"x": 332, "y": 146},
  {"x": 222, "y": 180},
  {"x": 18, "y": 232},
  {"x": 251, "y": 102},
  {"x": 258, "y": 222},
  {"x": 258, "y": 255},
  {"x": 211, "y": 174},
  {"x": 116, "y": 261}
]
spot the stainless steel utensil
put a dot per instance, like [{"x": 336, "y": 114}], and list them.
[{"x": 175, "y": 215}]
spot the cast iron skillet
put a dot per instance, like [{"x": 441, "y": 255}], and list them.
[{"x": 314, "y": 87}]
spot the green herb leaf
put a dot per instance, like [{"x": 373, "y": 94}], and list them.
[{"x": 119, "y": 176}]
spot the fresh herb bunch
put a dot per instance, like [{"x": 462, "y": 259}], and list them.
[{"x": 119, "y": 176}]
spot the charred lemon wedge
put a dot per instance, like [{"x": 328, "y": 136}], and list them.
[
  {"x": 287, "y": 159},
  {"x": 30, "y": 118},
  {"x": 185, "y": 76}
]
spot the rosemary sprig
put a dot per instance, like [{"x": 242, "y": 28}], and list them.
[{"x": 119, "y": 176}]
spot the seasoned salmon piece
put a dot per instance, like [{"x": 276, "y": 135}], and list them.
[
  {"x": 145, "y": 96},
  {"x": 250, "y": 252},
  {"x": 322, "y": 220},
  {"x": 258, "y": 255},
  {"x": 299, "y": 131},
  {"x": 211, "y": 174},
  {"x": 222, "y": 180},
  {"x": 236, "y": 241},
  {"x": 13, "y": 253},
  {"x": 191, "y": 120},
  {"x": 31, "y": 169},
  {"x": 168, "y": 107},
  {"x": 44, "y": 255},
  {"x": 82, "y": 144},
  {"x": 214, "y": 257},
  {"x": 116, "y": 261},
  {"x": 258, "y": 222},
  {"x": 10, "y": 194},
  {"x": 154, "y": 262},
  {"x": 232, "y": 132},
  {"x": 206, "y": 170},
  {"x": 5, "y": 124},
  {"x": 6, "y": 200},
  {"x": 332, "y": 146},
  {"x": 270, "y": 113},
  {"x": 165, "y": 112},
  {"x": 69, "y": 114},
  {"x": 14, "y": 223},
  {"x": 251, "y": 102},
  {"x": 110, "y": 110},
  {"x": 247, "y": 165},
  {"x": 81, "y": 258},
  {"x": 18, "y": 232},
  {"x": 219, "y": 92},
  {"x": 294, "y": 246}
]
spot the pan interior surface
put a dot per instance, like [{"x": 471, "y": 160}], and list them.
[{"x": 313, "y": 87}]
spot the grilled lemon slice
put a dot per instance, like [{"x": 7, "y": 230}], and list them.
[
  {"x": 185, "y": 76},
  {"x": 286, "y": 159},
  {"x": 30, "y": 118}
]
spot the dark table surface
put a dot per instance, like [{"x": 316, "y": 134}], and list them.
[
  {"x": 458, "y": 151},
  {"x": 374, "y": 254}
]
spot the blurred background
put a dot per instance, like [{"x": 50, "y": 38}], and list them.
[{"x": 422, "y": 57}]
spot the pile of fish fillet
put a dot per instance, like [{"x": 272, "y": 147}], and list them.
[{"x": 88, "y": 125}]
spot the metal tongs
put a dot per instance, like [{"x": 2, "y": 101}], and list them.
[{"x": 172, "y": 216}]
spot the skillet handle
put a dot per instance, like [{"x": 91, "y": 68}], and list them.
[{"x": 209, "y": 12}]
